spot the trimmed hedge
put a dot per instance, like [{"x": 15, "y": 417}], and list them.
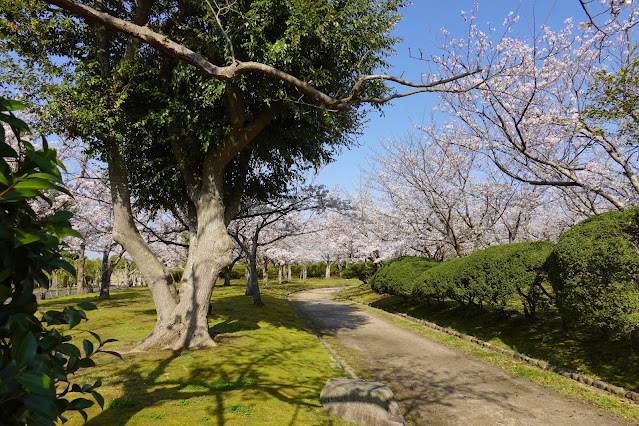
[
  {"x": 493, "y": 276},
  {"x": 399, "y": 276},
  {"x": 594, "y": 272}
]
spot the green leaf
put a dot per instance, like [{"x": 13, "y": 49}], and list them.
[
  {"x": 4, "y": 180},
  {"x": 69, "y": 349},
  {"x": 98, "y": 398},
  {"x": 79, "y": 404},
  {"x": 74, "y": 318},
  {"x": 21, "y": 238},
  {"x": 48, "y": 176},
  {"x": 97, "y": 337},
  {"x": 112, "y": 353},
  {"x": 12, "y": 121},
  {"x": 59, "y": 216},
  {"x": 40, "y": 405},
  {"x": 86, "y": 363},
  {"x": 88, "y": 347},
  {"x": 38, "y": 383},
  {"x": 86, "y": 306},
  {"x": 5, "y": 291},
  {"x": 37, "y": 183},
  {"x": 26, "y": 349},
  {"x": 11, "y": 105}
]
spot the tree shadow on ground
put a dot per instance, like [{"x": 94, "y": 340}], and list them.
[{"x": 165, "y": 383}]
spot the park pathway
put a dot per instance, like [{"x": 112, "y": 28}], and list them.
[{"x": 437, "y": 385}]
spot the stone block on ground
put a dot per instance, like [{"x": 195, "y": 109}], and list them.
[{"x": 361, "y": 401}]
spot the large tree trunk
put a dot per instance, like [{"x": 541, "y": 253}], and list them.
[
  {"x": 289, "y": 274},
  {"x": 80, "y": 269},
  {"x": 304, "y": 272},
  {"x": 327, "y": 275},
  {"x": 181, "y": 319}
]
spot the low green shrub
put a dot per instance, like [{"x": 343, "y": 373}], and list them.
[
  {"x": 594, "y": 271},
  {"x": 399, "y": 276},
  {"x": 504, "y": 272},
  {"x": 238, "y": 271},
  {"x": 362, "y": 271},
  {"x": 439, "y": 282},
  {"x": 493, "y": 276}
]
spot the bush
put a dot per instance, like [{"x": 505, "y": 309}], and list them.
[
  {"x": 507, "y": 271},
  {"x": 237, "y": 272},
  {"x": 362, "y": 271},
  {"x": 594, "y": 272},
  {"x": 493, "y": 276},
  {"x": 441, "y": 282},
  {"x": 37, "y": 362},
  {"x": 399, "y": 276}
]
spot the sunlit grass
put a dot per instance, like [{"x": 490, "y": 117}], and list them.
[{"x": 268, "y": 368}]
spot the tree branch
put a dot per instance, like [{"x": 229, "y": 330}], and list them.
[{"x": 181, "y": 52}]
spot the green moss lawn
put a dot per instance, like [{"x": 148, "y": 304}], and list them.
[{"x": 268, "y": 368}]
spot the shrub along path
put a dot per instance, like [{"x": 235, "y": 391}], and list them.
[{"x": 436, "y": 384}]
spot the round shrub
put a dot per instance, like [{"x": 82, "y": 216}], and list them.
[
  {"x": 440, "y": 282},
  {"x": 504, "y": 272},
  {"x": 399, "y": 276},
  {"x": 594, "y": 272}
]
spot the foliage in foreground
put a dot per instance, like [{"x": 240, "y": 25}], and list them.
[
  {"x": 36, "y": 360},
  {"x": 594, "y": 272}
]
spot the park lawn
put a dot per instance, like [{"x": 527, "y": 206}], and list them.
[
  {"x": 268, "y": 368},
  {"x": 612, "y": 359}
]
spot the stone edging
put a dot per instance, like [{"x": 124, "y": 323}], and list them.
[{"x": 544, "y": 365}]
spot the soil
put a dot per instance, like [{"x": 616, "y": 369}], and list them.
[{"x": 438, "y": 385}]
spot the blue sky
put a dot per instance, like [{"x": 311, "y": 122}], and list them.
[{"x": 420, "y": 21}]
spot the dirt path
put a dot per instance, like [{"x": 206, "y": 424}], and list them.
[{"x": 435, "y": 384}]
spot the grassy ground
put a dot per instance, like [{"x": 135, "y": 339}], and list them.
[
  {"x": 614, "y": 360},
  {"x": 268, "y": 368}
]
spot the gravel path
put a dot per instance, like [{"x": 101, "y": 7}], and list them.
[{"x": 437, "y": 385}]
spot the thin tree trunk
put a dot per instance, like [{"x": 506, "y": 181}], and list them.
[
  {"x": 80, "y": 270},
  {"x": 127, "y": 273},
  {"x": 106, "y": 274},
  {"x": 289, "y": 275},
  {"x": 327, "y": 275},
  {"x": 55, "y": 284},
  {"x": 227, "y": 276},
  {"x": 265, "y": 273},
  {"x": 252, "y": 283},
  {"x": 280, "y": 271},
  {"x": 304, "y": 272}
]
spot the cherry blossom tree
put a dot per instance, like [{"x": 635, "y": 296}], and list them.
[
  {"x": 535, "y": 122},
  {"x": 261, "y": 224}
]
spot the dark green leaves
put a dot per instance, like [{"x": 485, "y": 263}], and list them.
[{"x": 35, "y": 358}]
